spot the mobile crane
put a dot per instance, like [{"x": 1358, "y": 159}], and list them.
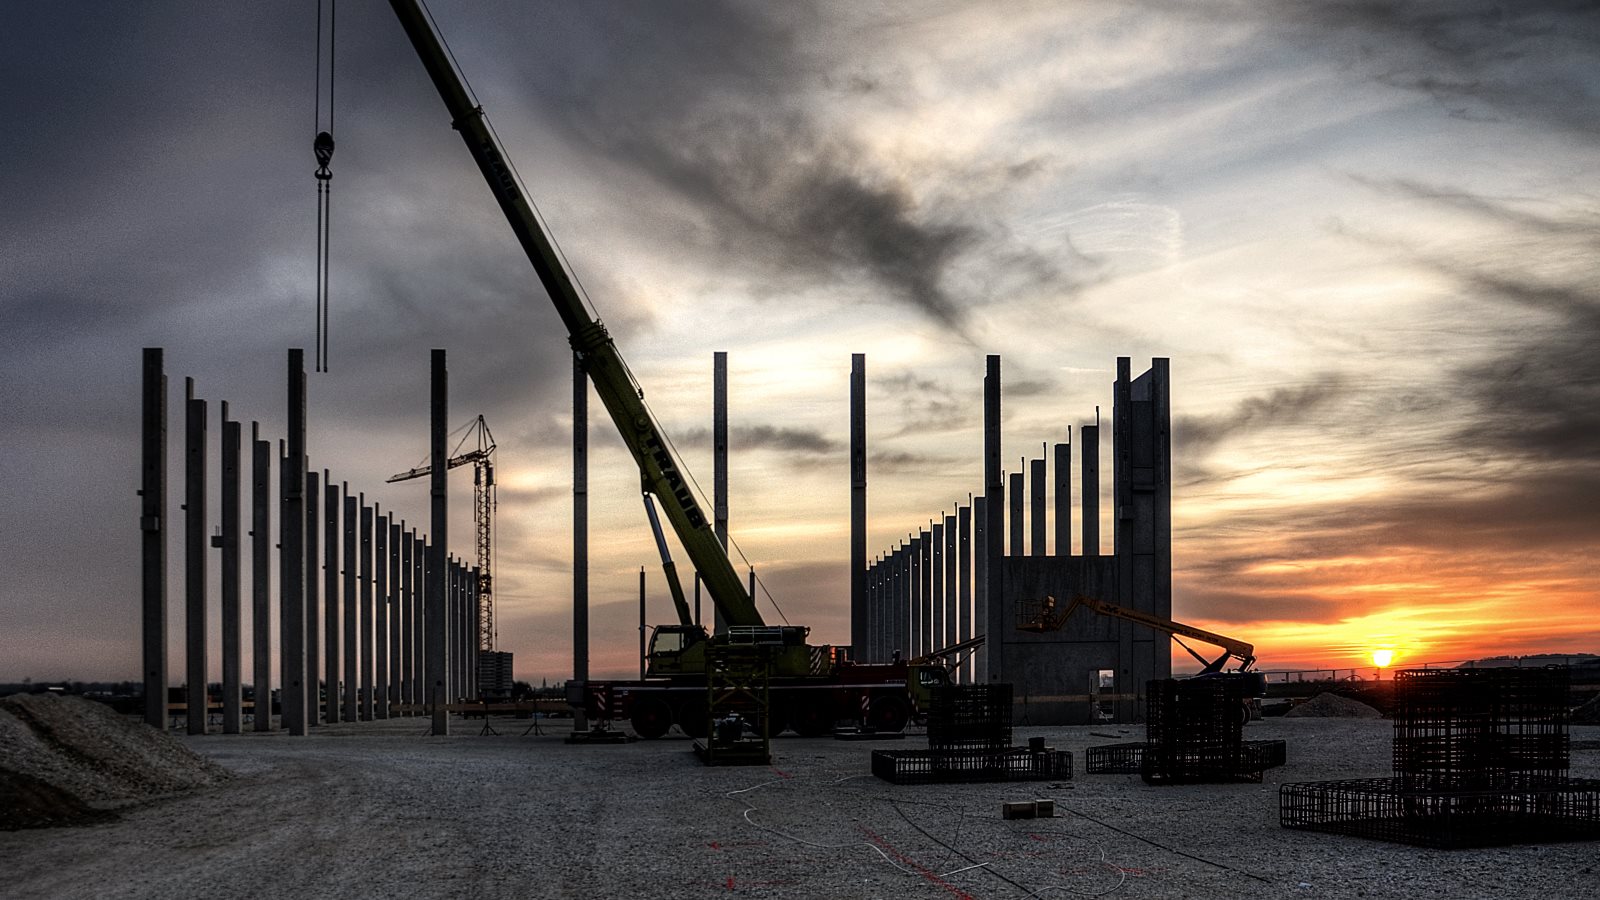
[{"x": 811, "y": 685}]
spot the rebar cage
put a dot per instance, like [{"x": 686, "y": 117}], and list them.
[
  {"x": 1194, "y": 732},
  {"x": 971, "y": 765},
  {"x": 1480, "y": 759}
]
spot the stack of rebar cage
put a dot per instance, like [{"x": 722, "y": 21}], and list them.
[
  {"x": 1480, "y": 759},
  {"x": 969, "y": 740},
  {"x": 1194, "y": 733}
]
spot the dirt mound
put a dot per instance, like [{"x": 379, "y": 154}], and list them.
[
  {"x": 1332, "y": 706},
  {"x": 1588, "y": 713},
  {"x": 61, "y": 758}
]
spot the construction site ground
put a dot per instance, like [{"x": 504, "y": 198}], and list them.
[{"x": 377, "y": 809}]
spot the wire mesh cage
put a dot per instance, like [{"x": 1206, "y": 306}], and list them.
[
  {"x": 969, "y": 766},
  {"x": 1480, "y": 760},
  {"x": 970, "y": 717},
  {"x": 1194, "y": 732},
  {"x": 1474, "y": 728}
]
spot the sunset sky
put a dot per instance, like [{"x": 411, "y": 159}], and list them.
[{"x": 1367, "y": 235}]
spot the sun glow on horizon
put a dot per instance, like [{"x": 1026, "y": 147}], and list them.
[{"x": 1382, "y": 658}]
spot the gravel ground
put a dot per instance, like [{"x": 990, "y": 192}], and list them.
[{"x": 377, "y": 810}]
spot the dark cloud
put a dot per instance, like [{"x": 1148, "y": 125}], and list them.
[
  {"x": 766, "y": 437},
  {"x": 1286, "y": 406}
]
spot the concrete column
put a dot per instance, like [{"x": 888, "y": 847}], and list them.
[
  {"x": 994, "y": 523},
  {"x": 419, "y": 619},
  {"x": 474, "y": 641},
  {"x": 392, "y": 698},
  {"x": 964, "y": 579},
  {"x": 1122, "y": 537},
  {"x": 1063, "y": 461},
  {"x": 313, "y": 588},
  {"x": 1037, "y": 476},
  {"x": 1015, "y": 483},
  {"x": 194, "y": 557},
  {"x": 1161, "y": 484},
  {"x": 902, "y": 601},
  {"x": 439, "y": 537},
  {"x": 407, "y": 625},
  {"x": 380, "y": 617},
  {"x": 980, "y": 589},
  {"x": 873, "y": 644},
  {"x": 152, "y": 528},
  {"x": 950, "y": 569},
  {"x": 365, "y": 673},
  {"x": 261, "y": 578},
  {"x": 913, "y": 589},
  {"x": 719, "y": 462},
  {"x": 925, "y": 561},
  {"x": 936, "y": 596},
  {"x": 1089, "y": 470},
  {"x": 352, "y": 606},
  {"x": 293, "y": 591},
  {"x": 858, "y": 496},
  {"x": 232, "y": 627},
  {"x": 641, "y": 624},
  {"x": 330, "y": 592},
  {"x": 580, "y": 534}
]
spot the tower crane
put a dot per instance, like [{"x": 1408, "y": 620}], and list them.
[{"x": 483, "y": 505}]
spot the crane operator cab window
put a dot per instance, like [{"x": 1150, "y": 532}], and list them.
[{"x": 674, "y": 638}]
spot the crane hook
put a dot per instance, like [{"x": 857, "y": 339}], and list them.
[{"x": 323, "y": 148}]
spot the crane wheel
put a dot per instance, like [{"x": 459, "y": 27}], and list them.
[
  {"x": 651, "y": 718},
  {"x": 693, "y": 718},
  {"x": 889, "y": 714}
]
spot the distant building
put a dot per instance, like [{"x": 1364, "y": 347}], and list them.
[{"x": 494, "y": 674}]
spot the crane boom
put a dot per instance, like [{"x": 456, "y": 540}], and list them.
[{"x": 613, "y": 383}]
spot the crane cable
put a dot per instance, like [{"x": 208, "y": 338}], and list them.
[{"x": 322, "y": 147}]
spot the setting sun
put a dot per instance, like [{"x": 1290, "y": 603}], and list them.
[{"x": 1382, "y": 658}]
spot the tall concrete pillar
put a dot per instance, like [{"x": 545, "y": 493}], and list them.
[
  {"x": 919, "y": 615},
  {"x": 1089, "y": 471},
  {"x": 352, "y": 606},
  {"x": 1017, "y": 487},
  {"x": 964, "y": 579},
  {"x": 392, "y": 698},
  {"x": 439, "y": 528},
  {"x": 936, "y": 597},
  {"x": 1063, "y": 453},
  {"x": 980, "y": 589},
  {"x": 474, "y": 643},
  {"x": 330, "y": 596},
  {"x": 873, "y": 645},
  {"x": 232, "y": 627},
  {"x": 1161, "y": 490},
  {"x": 950, "y": 570},
  {"x": 1122, "y": 538},
  {"x": 293, "y": 591},
  {"x": 260, "y": 579},
  {"x": 1037, "y": 476},
  {"x": 313, "y": 588},
  {"x": 380, "y": 617},
  {"x": 902, "y": 593},
  {"x": 994, "y": 489},
  {"x": 858, "y": 496},
  {"x": 152, "y": 528},
  {"x": 419, "y": 619},
  {"x": 580, "y": 534},
  {"x": 407, "y": 598},
  {"x": 927, "y": 569},
  {"x": 194, "y": 553},
  {"x": 365, "y": 671},
  {"x": 719, "y": 462}
]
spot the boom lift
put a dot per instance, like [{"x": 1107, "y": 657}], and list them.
[
  {"x": 1047, "y": 615},
  {"x": 809, "y": 683}
]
